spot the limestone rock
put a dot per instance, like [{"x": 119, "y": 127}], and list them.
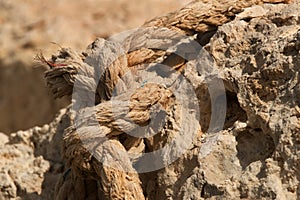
[
  {"x": 254, "y": 156},
  {"x": 257, "y": 56},
  {"x": 27, "y": 27},
  {"x": 31, "y": 161}
]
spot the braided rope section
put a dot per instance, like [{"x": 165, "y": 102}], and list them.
[{"x": 100, "y": 74}]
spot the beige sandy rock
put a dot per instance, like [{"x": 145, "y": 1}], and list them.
[
  {"x": 26, "y": 27},
  {"x": 31, "y": 161},
  {"x": 213, "y": 184},
  {"x": 255, "y": 155},
  {"x": 257, "y": 55},
  {"x": 3, "y": 139}
]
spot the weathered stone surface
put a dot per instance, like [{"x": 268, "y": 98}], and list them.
[
  {"x": 255, "y": 156},
  {"x": 31, "y": 161},
  {"x": 27, "y": 27},
  {"x": 258, "y": 58}
]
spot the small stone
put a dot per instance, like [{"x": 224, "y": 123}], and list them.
[{"x": 45, "y": 128}]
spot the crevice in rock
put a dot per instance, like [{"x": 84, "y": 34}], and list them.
[
  {"x": 234, "y": 111},
  {"x": 253, "y": 145},
  {"x": 279, "y": 21},
  {"x": 204, "y": 38},
  {"x": 262, "y": 173},
  {"x": 149, "y": 184},
  {"x": 210, "y": 190}
]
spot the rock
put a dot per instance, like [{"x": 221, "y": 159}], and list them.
[
  {"x": 29, "y": 27},
  {"x": 8, "y": 188},
  {"x": 3, "y": 139},
  {"x": 257, "y": 56},
  {"x": 30, "y": 161},
  {"x": 256, "y": 155}
]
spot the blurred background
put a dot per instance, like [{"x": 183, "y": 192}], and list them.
[{"x": 29, "y": 26}]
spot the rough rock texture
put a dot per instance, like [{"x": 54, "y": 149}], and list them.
[
  {"x": 26, "y": 27},
  {"x": 254, "y": 156},
  {"x": 31, "y": 160},
  {"x": 258, "y": 57}
]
